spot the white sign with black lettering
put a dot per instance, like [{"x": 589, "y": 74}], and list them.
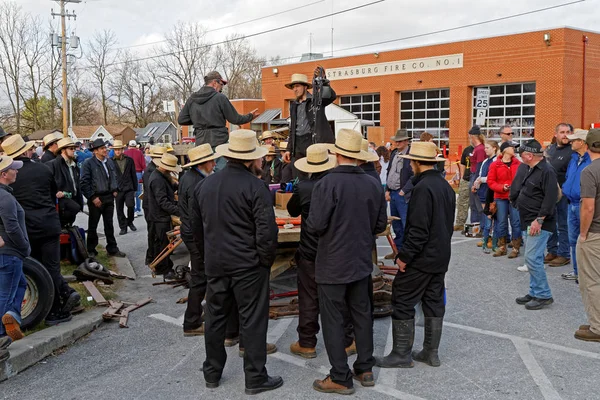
[
  {"x": 480, "y": 118},
  {"x": 482, "y": 100}
]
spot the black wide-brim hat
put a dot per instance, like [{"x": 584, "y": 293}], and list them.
[{"x": 96, "y": 144}]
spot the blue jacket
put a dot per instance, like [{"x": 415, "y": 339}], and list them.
[
  {"x": 571, "y": 187},
  {"x": 483, "y": 170}
]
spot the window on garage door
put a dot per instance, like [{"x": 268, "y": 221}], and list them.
[
  {"x": 512, "y": 104},
  {"x": 426, "y": 111},
  {"x": 364, "y": 106}
]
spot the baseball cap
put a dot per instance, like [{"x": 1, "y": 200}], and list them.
[
  {"x": 506, "y": 145},
  {"x": 213, "y": 75},
  {"x": 533, "y": 146},
  {"x": 7, "y": 163},
  {"x": 132, "y": 143},
  {"x": 593, "y": 138},
  {"x": 580, "y": 134}
]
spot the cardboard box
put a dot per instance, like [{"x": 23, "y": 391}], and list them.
[{"x": 281, "y": 199}]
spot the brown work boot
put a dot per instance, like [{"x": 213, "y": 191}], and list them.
[
  {"x": 199, "y": 331},
  {"x": 459, "y": 228},
  {"x": 328, "y": 386},
  {"x": 516, "y": 246},
  {"x": 559, "y": 261},
  {"x": 587, "y": 335},
  {"x": 232, "y": 341},
  {"x": 489, "y": 243},
  {"x": 306, "y": 352},
  {"x": 12, "y": 327},
  {"x": 501, "y": 250},
  {"x": 366, "y": 378},
  {"x": 271, "y": 348},
  {"x": 390, "y": 256},
  {"x": 584, "y": 327},
  {"x": 351, "y": 350},
  {"x": 549, "y": 257}
]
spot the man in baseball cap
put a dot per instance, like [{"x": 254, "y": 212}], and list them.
[{"x": 140, "y": 166}]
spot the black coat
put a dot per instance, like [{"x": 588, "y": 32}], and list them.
[
  {"x": 161, "y": 198},
  {"x": 234, "y": 221},
  {"x": 127, "y": 180},
  {"x": 349, "y": 210},
  {"x": 94, "y": 181},
  {"x": 187, "y": 184},
  {"x": 324, "y": 134},
  {"x": 299, "y": 204},
  {"x": 287, "y": 172},
  {"x": 145, "y": 179},
  {"x": 35, "y": 190},
  {"x": 64, "y": 183},
  {"x": 266, "y": 171},
  {"x": 429, "y": 224},
  {"x": 47, "y": 156},
  {"x": 370, "y": 170}
]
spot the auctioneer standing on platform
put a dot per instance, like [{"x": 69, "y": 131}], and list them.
[
  {"x": 234, "y": 222},
  {"x": 423, "y": 261}
]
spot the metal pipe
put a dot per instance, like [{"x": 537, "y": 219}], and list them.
[{"x": 585, "y": 42}]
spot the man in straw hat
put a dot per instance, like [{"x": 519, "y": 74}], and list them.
[
  {"x": 35, "y": 190},
  {"x": 156, "y": 152},
  {"x": 15, "y": 248},
  {"x": 287, "y": 173},
  {"x": 209, "y": 110},
  {"x": 316, "y": 164},
  {"x": 66, "y": 175},
  {"x": 368, "y": 165},
  {"x": 99, "y": 186},
  {"x": 201, "y": 165},
  {"x": 267, "y": 138},
  {"x": 271, "y": 169},
  {"x": 50, "y": 146},
  {"x": 161, "y": 206},
  {"x": 234, "y": 222},
  {"x": 399, "y": 174},
  {"x": 422, "y": 261},
  {"x": 128, "y": 182},
  {"x": 346, "y": 200},
  {"x": 302, "y": 117}
]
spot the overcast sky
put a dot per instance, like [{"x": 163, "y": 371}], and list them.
[{"x": 138, "y": 22}]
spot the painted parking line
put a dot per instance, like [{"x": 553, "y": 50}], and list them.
[{"x": 536, "y": 372}]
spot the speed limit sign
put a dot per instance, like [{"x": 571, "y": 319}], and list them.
[{"x": 482, "y": 100}]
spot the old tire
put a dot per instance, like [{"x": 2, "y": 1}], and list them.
[{"x": 39, "y": 295}]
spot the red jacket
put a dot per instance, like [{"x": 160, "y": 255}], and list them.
[
  {"x": 500, "y": 174},
  {"x": 138, "y": 159}
]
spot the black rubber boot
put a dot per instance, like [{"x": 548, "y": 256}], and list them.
[
  {"x": 431, "y": 342},
  {"x": 403, "y": 333}
]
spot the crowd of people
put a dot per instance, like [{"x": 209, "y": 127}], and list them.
[{"x": 517, "y": 194}]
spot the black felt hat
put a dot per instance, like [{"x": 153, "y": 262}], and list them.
[{"x": 96, "y": 144}]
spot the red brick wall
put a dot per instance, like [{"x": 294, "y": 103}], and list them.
[{"x": 556, "y": 70}]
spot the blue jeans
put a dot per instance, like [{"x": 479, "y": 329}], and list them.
[
  {"x": 559, "y": 241},
  {"x": 573, "y": 220},
  {"x": 534, "y": 259},
  {"x": 485, "y": 225},
  {"x": 505, "y": 213},
  {"x": 12, "y": 288},
  {"x": 398, "y": 208},
  {"x": 138, "y": 202}
]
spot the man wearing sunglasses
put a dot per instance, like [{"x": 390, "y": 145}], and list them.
[{"x": 208, "y": 110}]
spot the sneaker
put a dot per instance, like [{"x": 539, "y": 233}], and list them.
[
  {"x": 538, "y": 304},
  {"x": 139, "y": 214},
  {"x": 232, "y": 341},
  {"x": 570, "y": 276},
  {"x": 118, "y": 253},
  {"x": 58, "y": 318},
  {"x": 559, "y": 261},
  {"x": 587, "y": 335},
  {"x": 132, "y": 227},
  {"x": 524, "y": 300},
  {"x": 306, "y": 352},
  {"x": 328, "y": 386},
  {"x": 272, "y": 383},
  {"x": 5, "y": 341},
  {"x": 12, "y": 327},
  {"x": 351, "y": 350},
  {"x": 487, "y": 250},
  {"x": 271, "y": 348},
  {"x": 194, "y": 332},
  {"x": 523, "y": 268},
  {"x": 366, "y": 378},
  {"x": 549, "y": 257},
  {"x": 72, "y": 301},
  {"x": 123, "y": 231},
  {"x": 170, "y": 276}
]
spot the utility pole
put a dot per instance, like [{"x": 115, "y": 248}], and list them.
[{"x": 63, "y": 15}]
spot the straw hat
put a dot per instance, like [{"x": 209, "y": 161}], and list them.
[
  {"x": 242, "y": 146},
  {"x": 118, "y": 144},
  {"x": 270, "y": 149},
  {"x": 349, "y": 144},
  {"x": 51, "y": 138},
  {"x": 65, "y": 142},
  {"x": 200, "y": 154},
  {"x": 299, "y": 78},
  {"x": 7, "y": 162},
  {"x": 168, "y": 162},
  {"x": 157, "y": 151},
  {"x": 267, "y": 135},
  {"x": 14, "y": 146},
  {"x": 365, "y": 147},
  {"x": 423, "y": 151},
  {"x": 316, "y": 160},
  {"x": 282, "y": 146}
]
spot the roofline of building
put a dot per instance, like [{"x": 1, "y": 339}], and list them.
[{"x": 434, "y": 44}]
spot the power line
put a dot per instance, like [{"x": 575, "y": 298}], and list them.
[
  {"x": 250, "y": 35},
  {"x": 231, "y": 26},
  {"x": 448, "y": 29}
]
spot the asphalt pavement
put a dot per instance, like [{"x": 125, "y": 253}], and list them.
[{"x": 491, "y": 347}]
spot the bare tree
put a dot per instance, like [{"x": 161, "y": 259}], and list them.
[
  {"x": 241, "y": 66},
  {"x": 100, "y": 58}
]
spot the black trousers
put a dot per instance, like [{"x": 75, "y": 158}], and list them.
[
  {"x": 334, "y": 300},
  {"x": 193, "y": 313},
  {"x": 160, "y": 241},
  {"x": 308, "y": 303},
  {"x": 106, "y": 211},
  {"x": 250, "y": 290},
  {"x": 413, "y": 286},
  {"x": 150, "y": 239},
  {"x": 125, "y": 199},
  {"x": 47, "y": 251}
]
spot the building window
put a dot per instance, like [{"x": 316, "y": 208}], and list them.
[
  {"x": 364, "y": 106},
  {"x": 426, "y": 111},
  {"x": 512, "y": 104}
]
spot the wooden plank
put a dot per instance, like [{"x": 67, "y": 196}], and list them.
[
  {"x": 125, "y": 312},
  {"x": 98, "y": 298},
  {"x": 113, "y": 310},
  {"x": 282, "y": 262}
]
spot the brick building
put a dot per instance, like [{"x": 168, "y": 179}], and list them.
[{"x": 536, "y": 80}]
